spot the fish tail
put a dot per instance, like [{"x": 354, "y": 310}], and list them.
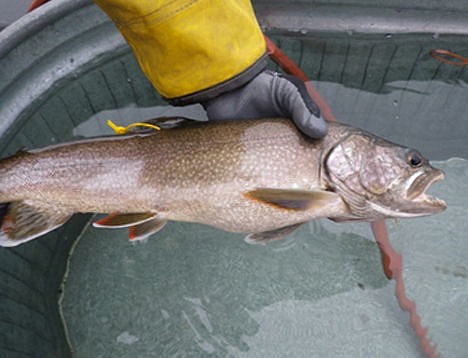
[{"x": 21, "y": 222}]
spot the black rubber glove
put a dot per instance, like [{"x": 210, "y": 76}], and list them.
[{"x": 270, "y": 94}]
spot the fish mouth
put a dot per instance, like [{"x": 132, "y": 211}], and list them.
[{"x": 420, "y": 183}]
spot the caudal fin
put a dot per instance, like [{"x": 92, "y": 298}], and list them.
[{"x": 20, "y": 222}]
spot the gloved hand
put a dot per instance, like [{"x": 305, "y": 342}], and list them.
[{"x": 270, "y": 94}]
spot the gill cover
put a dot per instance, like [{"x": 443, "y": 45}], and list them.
[{"x": 342, "y": 166}]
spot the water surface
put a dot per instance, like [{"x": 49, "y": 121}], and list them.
[{"x": 194, "y": 291}]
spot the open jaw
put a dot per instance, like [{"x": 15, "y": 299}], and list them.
[
  {"x": 418, "y": 185},
  {"x": 413, "y": 201}
]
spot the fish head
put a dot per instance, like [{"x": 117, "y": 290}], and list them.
[{"x": 379, "y": 179}]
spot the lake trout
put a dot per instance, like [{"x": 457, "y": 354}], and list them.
[{"x": 260, "y": 177}]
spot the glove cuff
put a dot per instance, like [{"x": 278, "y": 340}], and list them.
[{"x": 229, "y": 85}]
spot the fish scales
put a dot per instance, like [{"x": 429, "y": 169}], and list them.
[{"x": 249, "y": 176}]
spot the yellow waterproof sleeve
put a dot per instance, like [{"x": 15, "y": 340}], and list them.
[{"x": 187, "y": 46}]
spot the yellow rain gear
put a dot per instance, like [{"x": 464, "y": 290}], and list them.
[{"x": 191, "y": 50}]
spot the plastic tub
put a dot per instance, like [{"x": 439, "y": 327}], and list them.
[{"x": 65, "y": 62}]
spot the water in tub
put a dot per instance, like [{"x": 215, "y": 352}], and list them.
[{"x": 194, "y": 291}]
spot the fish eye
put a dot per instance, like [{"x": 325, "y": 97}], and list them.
[{"x": 414, "y": 159}]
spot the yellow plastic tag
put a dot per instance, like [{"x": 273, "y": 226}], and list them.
[{"x": 123, "y": 130}]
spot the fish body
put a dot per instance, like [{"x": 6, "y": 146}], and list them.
[{"x": 261, "y": 177}]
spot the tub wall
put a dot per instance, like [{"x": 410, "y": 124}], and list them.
[{"x": 65, "y": 62}]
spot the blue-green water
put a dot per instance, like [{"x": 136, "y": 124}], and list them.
[{"x": 194, "y": 291}]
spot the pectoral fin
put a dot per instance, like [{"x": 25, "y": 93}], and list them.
[
  {"x": 296, "y": 200},
  {"x": 22, "y": 222},
  {"x": 118, "y": 220},
  {"x": 273, "y": 235},
  {"x": 142, "y": 231}
]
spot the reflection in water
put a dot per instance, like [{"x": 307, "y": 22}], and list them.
[{"x": 193, "y": 289}]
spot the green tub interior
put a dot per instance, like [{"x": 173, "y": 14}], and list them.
[{"x": 195, "y": 291}]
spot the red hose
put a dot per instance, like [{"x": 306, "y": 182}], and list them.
[
  {"x": 391, "y": 260},
  {"x": 448, "y": 57},
  {"x": 396, "y": 268},
  {"x": 35, "y": 4},
  {"x": 288, "y": 66}
]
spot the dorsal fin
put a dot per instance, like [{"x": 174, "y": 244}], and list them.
[{"x": 164, "y": 123}]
